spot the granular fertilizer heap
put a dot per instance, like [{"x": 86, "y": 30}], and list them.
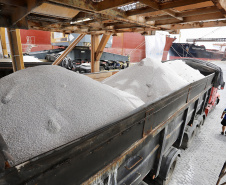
[
  {"x": 185, "y": 71},
  {"x": 149, "y": 80},
  {"x": 44, "y": 107}
]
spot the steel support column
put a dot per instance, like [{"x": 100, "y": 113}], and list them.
[
  {"x": 68, "y": 50},
  {"x": 3, "y": 42},
  {"x": 15, "y": 49}
]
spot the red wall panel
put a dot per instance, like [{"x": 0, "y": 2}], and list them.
[
  {"x": 133, "y": 40},
  {"x": 129, "y": 41},
  {"x": 37, "y": 37},
  {"x": 132, "y": 44}
]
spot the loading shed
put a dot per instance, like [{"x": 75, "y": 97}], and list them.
[
  {"x": 107, "y": 17},
  {"x": 110, "y": 17}
]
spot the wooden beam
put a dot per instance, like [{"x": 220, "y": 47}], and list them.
[
  {"x": 173, "y": 14},
  {"x": 151, "y": 4},
  {"x": 138, "y": 20},
  {"x": 100, "y": 76},
  {"x": 68, "y": 50},
  {"x": 124, "y": 26},
  {"x": 194, "y": 6},
  {"x": 110, "y": 4},
  {"x": 164, "y": 6},
  {"x": 196, "y": 25},
  {"x": 79, "y": 16},
  {"x": 199, "y": 11},
  {"x": 156, "y": 6},
  {"x": 21, "y": 24},
  {"x": 196, "y": 18},
  {"x": 15, "y": 49},
  {"x": 21, "y": 12},
  {"x": 83, "y": 6},
  {"x": 13, "y": 2},
  {"x": 95, "y": 65},
  {"x": 3, "y": 42},
  {"x": 4, "y": 21},
  {"x": 221, "y": 5},
  {"x": 55, "y": 11},
  {"x": 179, "y": 3},
  {"x": 152, "y": 7},
  {"x": 101, "y": 46},
  {"x": 158, "y": 18},
  {"x": 87, "y": 7},
  {"x": 140, "y": 11}
]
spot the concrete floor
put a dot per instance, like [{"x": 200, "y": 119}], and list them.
[{"x": 202, "y": 162}]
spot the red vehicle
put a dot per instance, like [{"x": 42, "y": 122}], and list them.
[{"x": 213, "y": 100}]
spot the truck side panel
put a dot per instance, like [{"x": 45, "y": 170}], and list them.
[
  {"x": 135, "y": 141},
  {"x": 174, "y": 129}
]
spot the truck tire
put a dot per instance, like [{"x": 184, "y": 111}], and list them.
[
  {"x": 64, "y": 63},
  {"x": 198, "y": 126},
  {"x": 218, "y": 100},
  {"x": 199, "y": 123},
  {"x": 202, "y": 120},
  {"x": 168, "y": 165},
  {"x": 187, "y": 140},
  {"x": 169, "y": 175},
  {"x": 215, "y": 104},
  {"x": 102, "y": 68}
]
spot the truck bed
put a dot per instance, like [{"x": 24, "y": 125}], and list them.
[{"x": 123, "y": 151}]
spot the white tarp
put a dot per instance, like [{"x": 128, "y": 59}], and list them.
[{"x": 155, "y": 45}]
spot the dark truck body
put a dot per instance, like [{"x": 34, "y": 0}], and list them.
[
  {"x": 142, "y": 143},
  {"x": 73, "y": 61},
  {"x": 6, "y": 68},
  {"x": 82, "y": 54}
]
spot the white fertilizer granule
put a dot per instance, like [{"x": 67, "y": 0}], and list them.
[
  {"x": 44, "y": 107},
  {"x": 148, "y": 80},
  {"x": 185, "y": 71}
]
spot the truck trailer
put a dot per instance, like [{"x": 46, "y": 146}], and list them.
[{"x": 141, "y": 147}]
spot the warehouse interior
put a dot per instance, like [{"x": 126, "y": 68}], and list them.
[{"x": 102, "y": 19}]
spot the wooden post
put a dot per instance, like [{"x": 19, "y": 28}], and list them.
[
  {"x": 101, "y": 46},
  {"x": 3, "y": 42},
  {"x": 97, "y": 49},
  {"x": 68, "y": 50},
  {"x": 95, "y": 65},
  {"x": 15, "y": 49}
]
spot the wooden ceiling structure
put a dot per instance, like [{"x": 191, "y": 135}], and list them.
[
  {"x": 107, "y": 17},
  {"x": 111, "y": 16}
]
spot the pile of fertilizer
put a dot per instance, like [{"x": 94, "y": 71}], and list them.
[
  {"x": 185, "y": 71},
  {"x": 149, "y": 80},
  {"x": 44, "y": 107}
]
